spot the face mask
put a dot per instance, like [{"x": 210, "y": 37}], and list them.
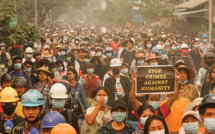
[
  {"x": 205, "y": 40},
  {"x": 62, "y": 53},
  {"x": 60, "y": 68},
  {"x": 149, "y": 46},
  {"x": 155, "y": 105},
  {"x": 70, "y": 44},
  {"x": 143, "y": 120},
  {"x": 151, "y": 39},
  {"x": 178, "y": 47},
  {"x": 124, "y": 71},
  {"x": 109, "y": 55},
  {"x": 76, "y": 42},
  {"x": 182, "y": 83},
  {"x": 108, "y": 48},
  {"x": 196, "y": 46},
  {"x": 167, "y": 44},
  {"x": 159, "y": 42},
  {"x": 140, "y": 62},
  {"x": 210, "y": 62},
  {"x": 17, "y": 66},
  {"x": 106, "y": 100},
  {"x": 90, "y": 70},
  {"x": 58, "y": 104},
  {"x": 28, "y": 56},
  {"x": 8, "y": 109},
  {"x": 158, "y": 132},
  {"x": 99, "y": 54},
  {"x": 2, "y": 48},
  {"x": 119, "y": 116},
  {"x": 115, "y": 71},
  {"x": 27, "y": 70},
  {"x": 68, "y": 58},
  {"x": 87, "y": 60},
  {"x": 154, "y": 64},
  {"x": 54, "y": 69},
  {"x": 184, "y": 51},
  {"x": 120, "y": 49},
  {"x": 174, "y": 48},
  {"x": 59, "y": 53},
  {"x": 125, "y": 47},
  {"x": 191, "y": 128},
  {"x": 82, "y": 47},
  {"x": 8, "y": 126},
  {"x": 209, "y": 124},
  {"x": 88, "y": 47}
]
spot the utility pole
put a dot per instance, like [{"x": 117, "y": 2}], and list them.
[
  {"x": 36, "y": 21},
  {"x": 14, "y": 2},
  {"x": 210, "y": 20}
]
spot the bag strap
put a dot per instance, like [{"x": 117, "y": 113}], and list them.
[
  {"x": 76, "y": 85},
  {"x": 69, "y": 115},
  {"x": 43, "y": 87}
]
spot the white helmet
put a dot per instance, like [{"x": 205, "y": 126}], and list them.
[
  {"x": 115, "y": 62},
  {"x": 184, "y": 46},
  {"x": 58, "y": 91},
  {"x": 29, "y": 50},
  {"x": 159, "y": 46}
]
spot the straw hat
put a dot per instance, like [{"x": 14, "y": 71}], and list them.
[
  {"x": 36, "y": 71},
  {"x": 46, "y": 54},
  {"x": 152, "y": 56},
  {"x": 189, "y": 70}
]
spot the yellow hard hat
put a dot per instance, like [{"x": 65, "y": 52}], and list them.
[
  {"x": 63, "y": 128},
  {"x": 8, "y": 94}
]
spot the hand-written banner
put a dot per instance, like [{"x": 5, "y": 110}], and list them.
[{"x": 155, "y": 80}]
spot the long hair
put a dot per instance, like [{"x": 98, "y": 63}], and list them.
[
  {"x": 150, "y": 119},
  {"x": 209, "y": 76}
]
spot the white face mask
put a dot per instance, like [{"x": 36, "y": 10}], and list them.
[
  {"x": 158, "y": 132},
  {"x": 154, "y": 64}
]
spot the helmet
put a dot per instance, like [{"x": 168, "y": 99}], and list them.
[
  {"x": 32, "y": 98},
  {"x": 159, "y": 47},
  {"x": 63, "y": 128},
  {"x": 115, "y": 62},
  {"x": 6, "y": 77},
  {"x": 178, "y": 37},
  {"x": 209, "y": 55},
  {"x": 2, "y": 44},
  {"x": 29, "y": 50},
  {"x": 58, "y": 91},
  {"x": 140, "y": 55},
  {"x": 152, "y": 56},
  {"x": 204, "y": 36},
  {"x": 209, "y": 99},
  {"x": 51, "y": 119},
  {"x": 20, "y": 81},
  {"x": 66, "y": 84},
  {"x": 184, "y": 46},
  {"x": 8, "y": 94},
  {"x": 108, "y": 49},
  {"x": 155, "y": 50}
]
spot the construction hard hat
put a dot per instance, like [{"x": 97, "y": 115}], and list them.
[
  {"x": 58, "y": 91},
  {"x": 140, "y": 55},
  {"x": 209, "y": 99},
  {"x": 32, "y": 98},
  {"x": 20, "y": 81},
  {"x": 52, "y": 119},
  {"x": 209, "y": 55},
  {"x": 115, "y": 62},
  {"x": 184, "y": 46},
  {"x": 63, "y": 128},
  {"x": 29, "y": 50},
  {"x": 155, "y": 50},
  {"x": 159, "y": 46},
  {"x": 6, "y": 77},
  {"x": 204, "y": 36},
  {"x": 8, "y": 94},
  {"x": 152, "y": 56}
]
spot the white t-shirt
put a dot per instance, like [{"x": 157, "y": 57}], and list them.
[{"x": 119, "y": 90}]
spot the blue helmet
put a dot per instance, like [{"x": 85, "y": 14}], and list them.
[
  {"x": 204, "y": 36},
  {"x": 32, "y": 98},
  {"x": 155, "y": 50},
  {"x": 51, "y": 119}
]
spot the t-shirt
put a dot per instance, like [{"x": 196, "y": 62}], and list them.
[
  {"x": 119, "y": 90},
  {"x": 21, "y": 74},
  {"x": 128, "y": 56},
  {"x": 174, "y": 119},
  {"x": 122, "y": 131}
]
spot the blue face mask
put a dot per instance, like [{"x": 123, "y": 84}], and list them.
[
  {"x": 183, "y": 83},
  {"x": 154, "y": 64},
  {"x": 167, "y": 43},
  {"x": 54, "y": 70},
  {"x": 174, "y": 48},
  {"x": 149, "y": 46},
  {"x": 8, "y": 126},
  {"x": 191, "y": 128},
  {"x": 143, "y": 120},
  {"x": 27, "y": 70},
  {"x": 119, "y": 116},
  {"x": 205, "y": 40},
  {"x": 90, "y": 70},
  {"x": 109, "y": 55},
  {"x": 140, "y": 62},
  {"x": 125, "y": 47},
  {"x": 87, "y": 60},
  {"x": 58, "y": 104},
  {"x": 17, "y": 66},
  {"x": 99, "y": 54},
  {"x": 178, "y": 47},
  {"x": 106, "y": 100},
  {"x": 62, "y": 53},
  {"x": 124, "y": 71},
  {"x": 60, "y": 68},
  {"x": 68, "y": 58},
  {"x": 158, "y": 132},
  {"x": 209, "y": 124},
  {"x": 196, "y": 46},
  {"x": 29, "y": 56},
  {"x": 155, "y": 105}
]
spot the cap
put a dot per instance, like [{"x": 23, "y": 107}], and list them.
[
  {"x": 193, "y": 113},
  {"x": 193, "y": 104},
  {"x": 6, "y": 77},
  {"x": 117, "y": 104}
]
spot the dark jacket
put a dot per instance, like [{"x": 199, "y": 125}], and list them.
[
  {"x": 26, "y": 76},
  {"x": 110, "y": 84},
  {"x": 108, "y": 129}
]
